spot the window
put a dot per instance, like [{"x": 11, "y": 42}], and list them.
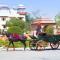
[
  {"x": 3, "y": 18},
  {"x": 4, "y": 26},
  {"x": 20, "y": 18}
]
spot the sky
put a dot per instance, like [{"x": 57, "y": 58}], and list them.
[{"x": 44, "y": 8}]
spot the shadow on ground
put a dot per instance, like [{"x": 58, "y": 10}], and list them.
[{"x": 44, "y": 49}]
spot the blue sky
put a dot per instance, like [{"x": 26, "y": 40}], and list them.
[{"x": 47, "y": 8}]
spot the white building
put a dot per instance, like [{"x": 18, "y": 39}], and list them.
[{"x": 7, "y": 13}]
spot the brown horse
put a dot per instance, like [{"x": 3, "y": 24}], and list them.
[{"x": 11, "y": 38}]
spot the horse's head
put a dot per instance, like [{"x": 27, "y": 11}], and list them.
[
  {"x": 27, "y": 36},
  {"x": 7, "y": 34}
]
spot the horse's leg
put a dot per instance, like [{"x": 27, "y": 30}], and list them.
[
  {"x": 8, "y": 45},
  {"x": 24, "y": 44},
  {"x": 13, "y": 46}
]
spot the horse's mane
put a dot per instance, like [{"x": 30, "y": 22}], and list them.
[{"x": 7, "y": 34}]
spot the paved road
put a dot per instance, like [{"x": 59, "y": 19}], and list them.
[{"x": 30, "y": 55}]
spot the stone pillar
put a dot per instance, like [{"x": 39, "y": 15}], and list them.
[{"x": 55, "y": 30}]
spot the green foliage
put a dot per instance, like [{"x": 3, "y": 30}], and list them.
[
  {"x": 28, "y": 27},
  {"x": 3, "y": 43},
  {"x": 15, "y": 22},
  {"x": 49, "y": 29},
  {"x": 57, "y": 19},
  {"x": 16, "y": 26},
  {"x": 29, "y": 20},
  {"x": 17, "y": 44},
  {"x": 15, "y": 29}
]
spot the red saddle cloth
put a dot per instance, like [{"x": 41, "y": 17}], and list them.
[{"x": 16, "y": 35}]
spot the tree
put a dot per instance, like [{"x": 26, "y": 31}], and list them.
[
  {"x": 16, "y": 26},
  {"x": 28, "y": 17},
  {"x": 57, "y": 19},
  {"x": 48, "y": 29},
  {"x": 29, "y": 20},
  {"x": 36, "y": 14}
]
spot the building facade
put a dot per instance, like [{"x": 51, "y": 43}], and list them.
[
  {"x": 40, "y": 24},
  {"x": 7, "y": 13}
]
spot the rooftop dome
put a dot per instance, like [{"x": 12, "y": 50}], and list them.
[{"x": 21, "y": 6}]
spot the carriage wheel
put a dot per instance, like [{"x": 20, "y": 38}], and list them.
[
  {"x": 54, "y": 45},
  {"x": 39, "y": 45},
  {"x": 32, "y": 45}
]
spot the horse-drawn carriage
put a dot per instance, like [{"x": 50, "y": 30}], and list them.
[{"x": 44, "y": 40}]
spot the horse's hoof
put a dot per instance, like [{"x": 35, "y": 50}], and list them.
[
  {"x": 14, "y": 49},
  {"x": 24, "y": 49},
  {"x": 7, "y": 49}
]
